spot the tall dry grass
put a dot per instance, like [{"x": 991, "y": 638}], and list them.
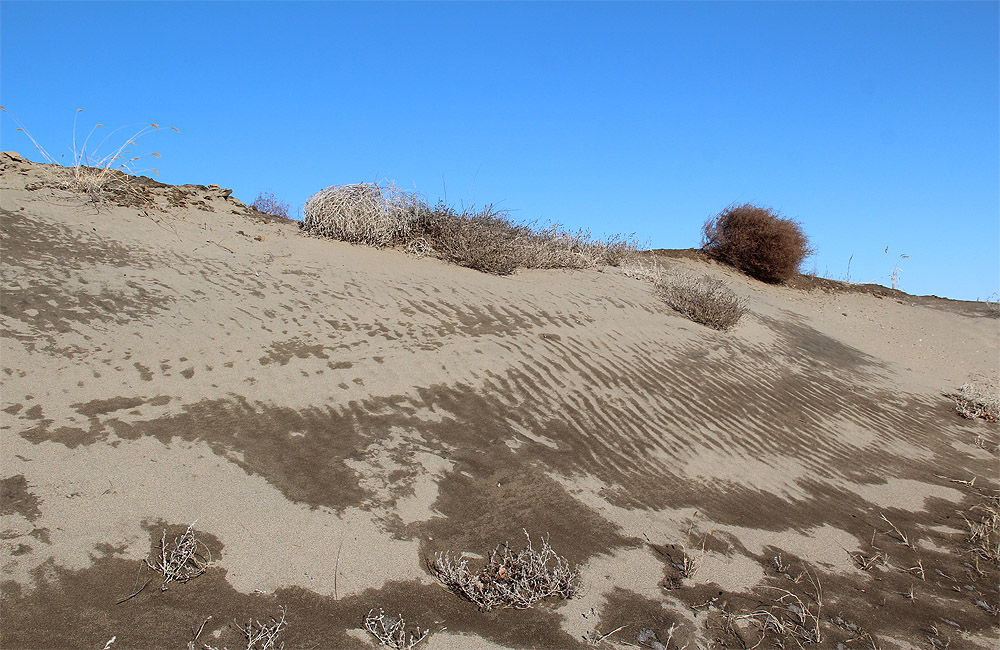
[{"x": 102, "y": 176}]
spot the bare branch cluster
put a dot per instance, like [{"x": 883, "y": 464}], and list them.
[
  {"x": 509, "y": 579},
  {"x": 268, "y": 203},
  {"x": 182, "y": 559},
  {"x": 391, "y": 631}
]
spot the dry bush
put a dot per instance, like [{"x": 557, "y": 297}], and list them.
[
  {"x": 364, "y": 213},
  {"x": 703, "y": 299},
  {"x": 758, "y": 241},
  {"x": 267, "y": 203},
  {"x": 486, "y": 240},
  {"x": 974, "y": 401},
  {"x": 509, "y": 579},
  {"x": 391, "y": 631},
  {"x": 489, "y": 241},
  {"x": 182, "y": 560}
]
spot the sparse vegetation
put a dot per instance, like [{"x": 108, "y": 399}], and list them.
[
  {"x": 391, "y": 631},
  {"x": 182, "y": 559},
  {"x": 790, "y": 617},
  {"x": 486, "y": 240},
  {"x": 703, "y": 299},
  {"x": 258, "y": 635},
  {"x": 268, "y": 203},
  {"x": 984, "y": 530},
  {"x": 508, "y": 579},
  {"x": 973, "y": 401},
  {"x": 758, "y": 241},
  {"x": 103, "y": 178}
]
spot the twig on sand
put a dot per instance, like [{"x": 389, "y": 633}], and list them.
[
  {"x": 336, "y": 568},
  {"x": 903, "y": 539},
  {"x": 135, "y": 592}
]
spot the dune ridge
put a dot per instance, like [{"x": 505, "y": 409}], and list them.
[{"x": 332, "y": 415}]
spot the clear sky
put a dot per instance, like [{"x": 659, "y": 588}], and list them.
[{"x": 874, "y": 124}]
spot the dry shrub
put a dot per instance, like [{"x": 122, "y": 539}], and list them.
[
  {"x": 703, "y": 299},
  {"x": 364, "y": 213},
  {"x": 509, "y": 579},
  {"x": 758, "y": 241},
  {"x": 489, "y": 241},
  {"x": 486, "y": 240},
  {"x": 973, "y": 402},
  {"x": 391, "y": 630},
  {"x": 267, "y": 203}
]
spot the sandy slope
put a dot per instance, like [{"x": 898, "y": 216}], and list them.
[{"x": 332, "y": 415}]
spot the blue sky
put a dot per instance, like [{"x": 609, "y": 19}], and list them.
[{"x": 874, "y": 124}]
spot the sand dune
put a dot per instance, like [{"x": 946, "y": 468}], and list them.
[{"x": 333, "y": 415}]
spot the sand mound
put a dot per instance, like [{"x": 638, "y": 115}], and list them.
[{"x": 333, "y": 415}]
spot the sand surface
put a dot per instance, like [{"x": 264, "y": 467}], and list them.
[{"x": 331, "y": 416}]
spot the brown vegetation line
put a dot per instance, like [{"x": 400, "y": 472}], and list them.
[{"x": 333, "y": 415}]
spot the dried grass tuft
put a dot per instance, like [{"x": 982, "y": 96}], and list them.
[
  {"x": 391, "y": 631},
  {"x": 703, "y": 299},
  {"x": 790, "y": 617},
  {"x": 509, "y": 579},
  {"x": 984, "y": 530},
  {"x": 103, "y": 178}
]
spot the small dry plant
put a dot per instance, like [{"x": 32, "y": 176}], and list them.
[
  {"x": 638, "y": 269},
  {"x": 790, "y": 617},
  {"x": 102, "y": 176},
  {"x": 703, "y": 299},
  {"x": 509, "y": 579},
  {"x": 363, "y": 213},
  {"x": 181, "y": 560},
  {"x": 870, "y": 562},
  {"x": 391, "y": 631},
  {"x": 268, "y": 203},
  {"x": 974, "y": 401},
  {"x": 984, "y": 530},
  {"x": 258, "y": 635}
]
